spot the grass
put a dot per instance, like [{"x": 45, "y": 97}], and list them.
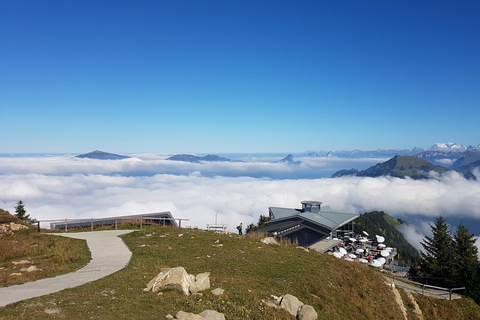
[
  {"x": 52, "y": 255},
  {"x": 245, "y": 268}
]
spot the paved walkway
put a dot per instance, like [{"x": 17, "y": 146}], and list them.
[
  {"x": 442, "y": 294},
  {"x": 109, "y": 255}
]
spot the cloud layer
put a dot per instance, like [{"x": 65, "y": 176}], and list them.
[{"x": 62, "y": 187}]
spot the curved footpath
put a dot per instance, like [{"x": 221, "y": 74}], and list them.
[{"x": 109, "y": 255}]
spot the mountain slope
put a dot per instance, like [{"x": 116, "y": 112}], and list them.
[
  {"x": 398, "y": 166},
  {"x": 469, "y": 158},
  {"x": 380, "y": 223}
]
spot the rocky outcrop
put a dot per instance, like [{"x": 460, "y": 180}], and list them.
[
  {"x": 9, "y": 228},
  {"x": 269, "y": 240},
  {"x": 178, "y": 278}
]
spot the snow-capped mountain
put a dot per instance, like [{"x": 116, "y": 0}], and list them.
[{"x": 448, "y": 147}]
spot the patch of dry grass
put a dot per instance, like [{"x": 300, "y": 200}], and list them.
[
  {"x": 51, "y": 255},
  {"x": 458, "y": 309}
]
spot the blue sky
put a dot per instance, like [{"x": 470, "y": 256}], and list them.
[{"x": 237, "y": 76}]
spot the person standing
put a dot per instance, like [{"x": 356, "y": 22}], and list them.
[{"x": 239, "y": 228}]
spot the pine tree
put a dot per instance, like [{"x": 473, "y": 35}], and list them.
[
  {"x": 467, "y": 264},
  {"x": 438, "y": 258},
  {"x": 21, "y": 213}
]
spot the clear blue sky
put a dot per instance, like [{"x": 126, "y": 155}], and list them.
[{"x": 244, "y": 76}]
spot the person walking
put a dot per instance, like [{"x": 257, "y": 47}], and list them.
[{"x": 239, "y": 228}]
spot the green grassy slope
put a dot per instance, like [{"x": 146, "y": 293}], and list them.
[{"x": 245, "y": 268}]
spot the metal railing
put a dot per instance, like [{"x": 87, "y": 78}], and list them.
[{"x": 94, "y": 222}]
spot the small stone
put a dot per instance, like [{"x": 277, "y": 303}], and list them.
[
  {"x": 218, "y": 291},
  {"x": 15, "y": 274},
  {"x": 52, "y": 311}
]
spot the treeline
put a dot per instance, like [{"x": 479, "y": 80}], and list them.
[
  {"x": 380, "y": 223},
  {"x": 450, "y": 260}
]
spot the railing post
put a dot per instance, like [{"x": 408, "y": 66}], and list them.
[
  {"x": 179, "y": 223},
  {"x": 38, "y": 226},
  {"x": 65, "y": 225},
  {"x": 91, "y": 224},
  {"x": 115, "y": 224},
  {"x": 450, "y": 291},
  {"x": 423, "y": 288},
  {"x": 141, "y": 220}
]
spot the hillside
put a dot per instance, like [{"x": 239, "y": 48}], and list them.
[
  {"x": 380, "y": 223},
  {"x": 247, "y": 269},
  {"x": 398, "y": 166}
]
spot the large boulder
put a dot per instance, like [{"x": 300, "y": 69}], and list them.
[
  {"x": 202, "y": 282},
  {"x": 290, "y": 303},
  {"x": 307, "y": 312},
  {"x": 269, "y": 240},
  {"x": 178, "y": 278}
]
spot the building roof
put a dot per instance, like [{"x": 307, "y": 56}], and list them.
[{"x": 325, "y": 217}]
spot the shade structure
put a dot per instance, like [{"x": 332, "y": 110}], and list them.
[
  {"x": 363, "y": 261},
  {"x": 351, "y": 255},
  {"x": 343, "y": 251},
  {"x": 338, "y": 255},
  {"x": 348, "y": 259},
  {"x": 360, "y": 250},
  {"x": 376, "y": 264},
  {"x": 381, "y": 245},
  {"x": 365, "y": 233},
  {"x": 363, "y": 240},
  {"x": 380, "y": 239},
  {"x": 381, "y": 260},
  {"x": 385, "y": 253}
]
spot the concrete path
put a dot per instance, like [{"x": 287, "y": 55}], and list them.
[{"x": 109, "y": 255}]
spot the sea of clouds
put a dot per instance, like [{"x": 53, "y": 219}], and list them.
[{"x": 59, "y": 187}]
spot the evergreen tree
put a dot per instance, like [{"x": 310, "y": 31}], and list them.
[
  {"x": 467, "y": 264},
  {"x": 21, "y": 213},
  {"x": 439, "y": 257}
]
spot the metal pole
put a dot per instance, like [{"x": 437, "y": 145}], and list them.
[
  {"x": 115, "y": 224},
  {"x": 38, "y": 226},
  {"x": 91, "y": 224},
  {"x": 65, "y": 225}
]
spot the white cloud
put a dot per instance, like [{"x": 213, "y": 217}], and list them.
[{"x": 58, "y": 188}]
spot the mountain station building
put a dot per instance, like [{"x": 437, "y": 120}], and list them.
[{"x": 314, "y": 226}]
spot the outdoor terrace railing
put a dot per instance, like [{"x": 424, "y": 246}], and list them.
[{"x": 109, "y": 222}]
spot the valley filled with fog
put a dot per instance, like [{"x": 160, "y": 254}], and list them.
[{"x": 59, "y": 187}]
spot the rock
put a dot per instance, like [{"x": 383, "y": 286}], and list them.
[
  {"x": 212, "y": 315},
  {"x": 202, "y": 282},
  {"x": 16, "y": 226},
  {"x": 33, "y": 268},
  {"x": 269, "y": 240},
  {"x": 15, "y": 274},
  {"x": 218, "y": 291},
  {"x": 178, "y": 278},
  {"x": 22, "y": 262},
  {"x": 291, "y": 304},
  {"x": 169, "y": 317},
  {"x": 307, "y": 312},
  {"x": 52, "y": 311},
  {"x": 271, "y": 303},
  {"x": 181, "y": 315}
]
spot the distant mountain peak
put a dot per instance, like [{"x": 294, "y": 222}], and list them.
[
  {"x": 195, "y": 159},
  {"x": 290, "y": 159},
  {"x": 398, "y": 166},
  {"x": 100, "y": 155},
  {"x": 448, "y": 146}
]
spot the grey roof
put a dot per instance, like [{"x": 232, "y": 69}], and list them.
[{"x": 325, "y": 217}]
